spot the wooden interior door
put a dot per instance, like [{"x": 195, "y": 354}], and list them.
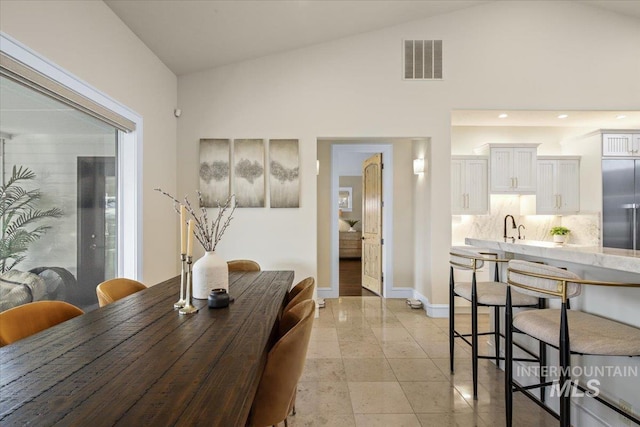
[{"x": 372, "y": 223}]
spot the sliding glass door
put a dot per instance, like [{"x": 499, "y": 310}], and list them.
[{"x": 64, "y": 228}]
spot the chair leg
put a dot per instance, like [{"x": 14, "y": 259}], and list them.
[
  {"x": 496, "y": 333},
  {"x": 542, "y": 355},
  {"x": 508, "y": 359},
  {"x": 565, "y": 367},
  {"x": 474, "y": 335},
  {"x": 451, "y": 319}
]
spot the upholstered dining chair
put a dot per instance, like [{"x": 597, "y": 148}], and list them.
[
  {"x": 114, "y": 289},
  {"x": 569, "y": 331},
  {"x": 299, "y": 287},
  {"x": 27, "y": 319},
  {"x": 285, "y": 363},
  {"x": 243, "y": 265},
  {"x": 303, "y": 291},
  {"x": 479, "y": 294}
]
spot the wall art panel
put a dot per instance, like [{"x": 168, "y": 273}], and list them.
[
  {"x": 248, "y": 168},
  {"x": 284, "y": 170}
]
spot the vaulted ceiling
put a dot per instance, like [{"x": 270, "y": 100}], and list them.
[{"x": 191, "y": 36}]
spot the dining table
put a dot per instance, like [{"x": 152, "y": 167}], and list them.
[{"x": 138, "y": 362}]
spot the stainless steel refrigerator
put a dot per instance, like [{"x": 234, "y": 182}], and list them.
[{"x": 621, "y": 203}]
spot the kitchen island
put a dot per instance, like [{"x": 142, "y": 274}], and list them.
[{"x": 623, "y": 260}]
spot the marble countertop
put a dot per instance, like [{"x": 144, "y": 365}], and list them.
[{"x": 616, "y": 259}]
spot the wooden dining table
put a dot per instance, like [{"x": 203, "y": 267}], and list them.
[{"x": 137, "y": 362}]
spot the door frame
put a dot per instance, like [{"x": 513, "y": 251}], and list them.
[{"x": 387, "y": 214}]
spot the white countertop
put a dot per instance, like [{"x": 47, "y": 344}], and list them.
[{"x": 616, "y": 259}]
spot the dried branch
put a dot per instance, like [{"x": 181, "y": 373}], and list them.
[{"x": 208, "y": 233}]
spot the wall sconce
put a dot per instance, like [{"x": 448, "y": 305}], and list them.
[
  {"x": 317, "y": 167},
  {"x": 418, "y": 166}
]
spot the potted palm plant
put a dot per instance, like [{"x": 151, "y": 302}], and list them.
[{"x": 18, "y": 216}]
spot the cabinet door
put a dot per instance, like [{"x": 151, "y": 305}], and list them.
[
  {"x": 524, "y": 169},
  {"x": 618, "y": 144},
  {"x": 477, "y": 186},
  {"x": 547, "y": 195},
  {"x": 502, "y": 170},
  {"x": 569, "y": 186},
  {"x": 636, "y": 144},
  {"x": 457, "y": 187}
]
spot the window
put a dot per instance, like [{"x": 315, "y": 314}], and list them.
[{"x": 78, "y": 147}]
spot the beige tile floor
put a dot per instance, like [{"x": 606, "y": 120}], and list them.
[{"x": 374, "y": 362}]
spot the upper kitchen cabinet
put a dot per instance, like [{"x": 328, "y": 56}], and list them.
[
  {"x": 621, "y": 144},
  {"x": 512, "y": 168},
  {"x": 469, "y": 185},
  {"x": 558, "y": 185}
]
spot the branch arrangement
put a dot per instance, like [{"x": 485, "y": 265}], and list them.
[{"x": 208, "y": 233}]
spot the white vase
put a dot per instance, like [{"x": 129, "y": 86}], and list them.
[
  {"x": 209, "y": 272},
  {"x": 557, "y": 238}
]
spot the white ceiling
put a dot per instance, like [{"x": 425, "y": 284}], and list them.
[{"x": 191, "y": 36}]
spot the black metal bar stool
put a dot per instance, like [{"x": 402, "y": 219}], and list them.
[
  {"x": 479, "y": 294},
  {"x": 590, "y": 334}
]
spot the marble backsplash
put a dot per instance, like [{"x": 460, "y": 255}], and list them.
[{"x": 585, "y": 228}]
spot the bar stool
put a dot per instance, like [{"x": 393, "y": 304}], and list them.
[
  {"x": 590, "y": 334},
  {"x": 479, "y": 294}
]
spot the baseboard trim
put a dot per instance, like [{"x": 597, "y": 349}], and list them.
[{"x": 432, "y": 310}]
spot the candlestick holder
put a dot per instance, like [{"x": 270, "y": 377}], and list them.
[
  {"x": 183, "y": 281},
  {"x": 188, "y": 307}
]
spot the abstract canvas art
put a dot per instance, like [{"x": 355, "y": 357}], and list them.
[
  {"x": 214, "y": 171},
  {"x": 248, "y": 168},
  {"x": 284, "y": 169}
]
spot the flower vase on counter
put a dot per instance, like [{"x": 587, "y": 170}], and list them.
[{"x": 209, "y": 272}]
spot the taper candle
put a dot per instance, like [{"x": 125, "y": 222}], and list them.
[
  {"x": 183, "y": 230},
  {"x": 190, "y": 238}
]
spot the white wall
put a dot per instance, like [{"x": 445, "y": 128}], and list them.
[
  {"x": 88, "y": 40},
  {"x": 502, "y": 55}
]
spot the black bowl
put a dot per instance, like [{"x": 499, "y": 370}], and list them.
[{"x": 218, "y": 298}]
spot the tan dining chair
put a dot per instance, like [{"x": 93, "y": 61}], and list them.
[
  {"x": 568, "y": 331},
  {"x": 114, "y": 289},
  {"x": 27, "y": 319},
  {"x": 303, "y": 291},
  {"x": 243, "y": 265},
  {"x": 285, "y": 363},
  {"x": 301, "y": 285}
]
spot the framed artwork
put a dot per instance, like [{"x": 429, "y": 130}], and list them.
[
  {"x": 345, "y": 203},
  {"x": 284, "y": 173},
  {"x": 214, "y": 171},
  {"x": 248, "y": 168}
]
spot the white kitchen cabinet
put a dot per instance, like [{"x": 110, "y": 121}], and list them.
[
  {"x": 469, "y": 185},
  {"x": 512, "y": 168},
  {"x": 621, "y": 144},
  {"x": 558, "y": 185}
]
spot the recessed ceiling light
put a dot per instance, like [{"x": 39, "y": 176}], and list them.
[
  {"x": 503, "y": 116},
  {"x": 563, "y": 116},
  {"x": 621, "y": 116}
]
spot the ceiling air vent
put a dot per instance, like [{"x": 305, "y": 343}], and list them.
[{"x": 423, "y": 59}]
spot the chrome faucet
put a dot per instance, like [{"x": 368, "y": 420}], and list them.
[
  {"x": 523, "y": 227},
  {"x": 513, "y": 225}
]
